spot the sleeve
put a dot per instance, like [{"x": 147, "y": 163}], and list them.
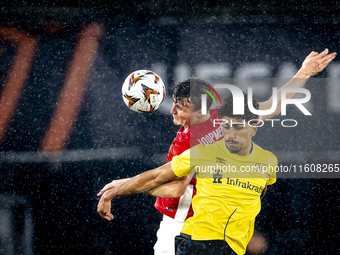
[
  {"x": 184, "y": 164},
  {"x": 272, "y": 178}
]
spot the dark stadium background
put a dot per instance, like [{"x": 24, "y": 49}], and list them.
[{"x": 48, "y": 202}]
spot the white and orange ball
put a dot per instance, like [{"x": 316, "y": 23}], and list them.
[{"x": 143, "y": 91}]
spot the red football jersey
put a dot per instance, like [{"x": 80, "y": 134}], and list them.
[{"x": 204, "y": 133}]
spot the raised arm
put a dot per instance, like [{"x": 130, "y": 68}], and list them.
[
  {"x": 140, "y": 183},
  {"x": 312, "y": 65},
  {"x": 169, "y": 189}
]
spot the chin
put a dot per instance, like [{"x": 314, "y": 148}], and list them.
[
  {"x": 176, "y": 122},
  {"x": 234, "y": 150}
]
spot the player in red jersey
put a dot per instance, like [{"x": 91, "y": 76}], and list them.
[{"x": 174, "y": 198}]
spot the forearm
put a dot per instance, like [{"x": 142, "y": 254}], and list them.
[
  {"x": 298, "y": 81},
  {"x": 141, "y": 183},
  {"x": 312, "y": 65},
  {"x": 171, "y": 189},
  {"x": 161, "y": 191}
]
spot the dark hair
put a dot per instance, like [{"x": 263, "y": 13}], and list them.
[
  {"x": 190, "y": 90},
  {"x": 227, "y": 109}
]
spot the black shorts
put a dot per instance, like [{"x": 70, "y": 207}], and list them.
[{"x": 186, "y": 246}]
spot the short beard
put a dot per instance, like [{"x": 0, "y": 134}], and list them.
[{"x": 235, "y": 151}]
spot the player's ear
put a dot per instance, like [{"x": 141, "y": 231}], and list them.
[
  {"x": 198, "y": 112},
  {"x": 254, "y": 130}
]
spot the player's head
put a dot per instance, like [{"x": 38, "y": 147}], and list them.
[
  {"x": 187, "y": 101},
  {"x": 238, "y": 130}
]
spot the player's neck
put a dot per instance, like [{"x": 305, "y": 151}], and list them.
[
  {"x": 246, "y": 150},
  {"x": 199, "y": 120}
]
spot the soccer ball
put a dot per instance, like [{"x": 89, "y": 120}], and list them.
[{"x": 143, "y": 91}]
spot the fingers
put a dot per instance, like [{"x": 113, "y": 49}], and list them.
[
  {"x": 102, "y": 191},
  {"x": 312, "y": 54},
  {"x": 321, "y": 60},
  {"x": 324, "y": 53},
  {"x": 108, "y": 217},
  {"x": 325, "y": 61},
  {"x": 316, "y": 55},
  {"x": 106, "y": 187},
  {"x": 328, "y": 58},
  {"x": 111, "y": 185}
]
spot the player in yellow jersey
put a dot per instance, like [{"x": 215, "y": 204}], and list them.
[{"x": 231, "y": 176}]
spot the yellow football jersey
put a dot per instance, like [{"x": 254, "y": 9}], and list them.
[{"x": 228, "y": 191}]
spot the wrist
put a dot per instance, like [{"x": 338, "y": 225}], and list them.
[{"x": 302, "y": 74}]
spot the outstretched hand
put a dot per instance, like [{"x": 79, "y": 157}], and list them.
[
  {"x": 104, "y": 204},
  {"x": 316, "y": 62},
  {"x": 104, "y": 209}
]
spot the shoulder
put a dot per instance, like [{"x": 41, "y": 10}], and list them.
[
  {"x": 214, "y": 112},
  {"x": 183, "y": 135},
  {"x": 181, "y": 132},
  {"x": 206, "y": 149},
  {"x": 268, "y": 156}
]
